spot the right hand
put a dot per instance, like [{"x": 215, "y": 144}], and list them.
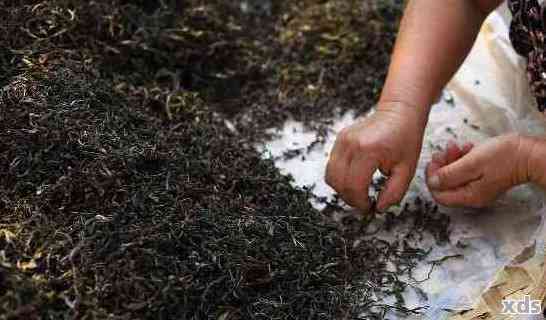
[{"x": 389, "y": 140}]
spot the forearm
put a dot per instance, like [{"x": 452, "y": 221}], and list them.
[{"x": 434, "y": 39}]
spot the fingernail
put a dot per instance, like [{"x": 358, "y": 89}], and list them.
[{"x": 434, "y": 182}]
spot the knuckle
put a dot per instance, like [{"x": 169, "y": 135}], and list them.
[
  {"x": 372, "y": 145},
  {"x": 363, "y": 143},
  {"x": 359, "y": 142},
  {"x": 354, "y": 139},
  {"x": 344, "y": 136}
]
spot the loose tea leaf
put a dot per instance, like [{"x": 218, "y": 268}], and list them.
[{"x": 124, "y": 194}]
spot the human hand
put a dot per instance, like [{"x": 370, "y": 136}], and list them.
[
  {"x": 389, "y": 140},
  {"x": 475, "y": 176}
]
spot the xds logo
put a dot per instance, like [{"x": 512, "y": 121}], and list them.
[{"x": 525, "y": 306}]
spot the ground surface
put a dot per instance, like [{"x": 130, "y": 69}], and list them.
[{"x": 124, "y": 194}]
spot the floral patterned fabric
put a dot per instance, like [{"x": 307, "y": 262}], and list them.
[{"x": 527, "y": 33}]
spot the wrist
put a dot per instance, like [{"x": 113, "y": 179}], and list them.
[
  {"x": 529, "y": 159},
  {"x": 417, "y": 113}
]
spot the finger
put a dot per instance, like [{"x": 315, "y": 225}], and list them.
[
  {"x": 358, "y": 180},
  {"x": 435, "y": 163},
  {"x": 466, "y": 196},
  {"x": 337, "y": 166},
  {"x": 453, "y": 152},
  {"x": 395, "y": 188},
  {"x": 459, "y": 197},
  {"x": 454, "y": 175},
  {"x": 466, "y": 148},
  {"x": 439, "y": 158}
]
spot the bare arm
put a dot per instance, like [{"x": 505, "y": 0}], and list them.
[{"x": 434, "y": 39}]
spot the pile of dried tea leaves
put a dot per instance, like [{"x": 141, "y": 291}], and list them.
[{"x": 124, "y": 195}]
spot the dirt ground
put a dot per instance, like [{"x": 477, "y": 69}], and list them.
[{"x": 124, "y": 195}]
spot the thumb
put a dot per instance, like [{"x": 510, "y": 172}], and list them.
[
  {"x": 469, "y": 195},
  {"x": 454, "y": 175}
]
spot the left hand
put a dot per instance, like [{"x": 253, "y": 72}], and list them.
[{"x": 471, "y": 176}]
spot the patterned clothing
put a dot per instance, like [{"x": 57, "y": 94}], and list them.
[{"x": 527, "y": 33}]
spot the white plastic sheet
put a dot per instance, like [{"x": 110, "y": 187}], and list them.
[{"x": 491, "y": 97}]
